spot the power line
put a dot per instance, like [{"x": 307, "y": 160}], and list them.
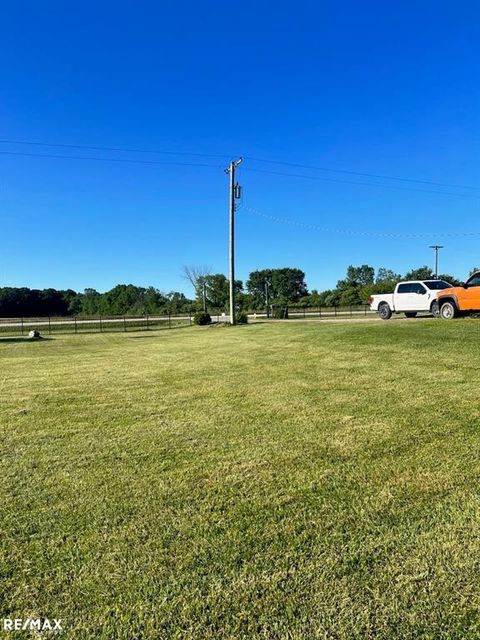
[
  {"x": 362, "y": 184},
  {"x": 365, "y": 175},
  {"x": 353, "y": 232},
  {"x": 125, "y": 149},
  {"x": 127, "y": 160},
  {"x": 255, "y": 159}
]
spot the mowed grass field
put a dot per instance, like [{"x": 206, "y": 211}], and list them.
[{"x": 304, "y": 480}]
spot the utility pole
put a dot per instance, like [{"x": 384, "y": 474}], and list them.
[
  {"x": 267, "y": 284},
  {"x": 436, "y": 247},
  {"x": 204, "y": 295},
  {"x": 234, "y": 194}
]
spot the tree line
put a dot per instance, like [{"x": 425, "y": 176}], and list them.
[
  {"x": 278, "y": 287},
  {"x": 363, "y": 281},
  {"x": 124, "y": 299}
]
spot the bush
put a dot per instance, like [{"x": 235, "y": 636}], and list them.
[
  {"x": 280, "y": 313},
  {"x": 202, "y": 318},
  {"x": 242, "y": 318}
]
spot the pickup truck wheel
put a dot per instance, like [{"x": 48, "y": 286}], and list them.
[
  {"x": 448, "y": 311},
  {"x": 410, "y": 314},
  {"x": 384, "y": 311},
  {"x": 435, "y": 309}
]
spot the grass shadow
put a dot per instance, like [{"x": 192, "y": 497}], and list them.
[
  {"x": 23, "y": 339},
  {"x": 149, "y": 335},
  {"x": 154, "y": 332}
]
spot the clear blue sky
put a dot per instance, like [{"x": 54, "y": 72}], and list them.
[{"x": 388, "y": 88}]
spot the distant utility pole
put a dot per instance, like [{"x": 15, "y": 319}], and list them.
[
  {"x": 234, "y": 195},
  {"x": 436, "y": 247},
  {"x": 267, "y": 284},
  {"x": 204, "y": 295}
]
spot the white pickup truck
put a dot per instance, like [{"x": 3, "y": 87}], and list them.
[{"x": 409, "y": 298}]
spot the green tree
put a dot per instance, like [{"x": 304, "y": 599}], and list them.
[
  {"x": 286, "y": 286},
  {"x": 123, "y": 299},
  {"x": 421, "y": 273},
  {"x": 331, "y": 298},
  {"x": 326, "y": 298},
  {"x": 177, "y": 302},
  {"x": 350, "y": 296},
  {"x": 154, "y": 301},
  {"x": 91, "y": 302},
  {"x": 384, "y": 286},
  {"x": 73, "y": 300},
  {"x": 387, "y": 275},
  {"x": 360, "y": 276},
  {"x": 451, "y": 279},
  {"x": 350, "y": 289},
  {"x": 385, "y": 282},
  {"x": 217, "y": 288}
]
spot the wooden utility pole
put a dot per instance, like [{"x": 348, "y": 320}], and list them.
[{"x": 233, "y": 189}]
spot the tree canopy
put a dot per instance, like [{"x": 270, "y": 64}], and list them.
[
  {"x": 285, "y": 286},
  {"x": 124, "y": 299}
]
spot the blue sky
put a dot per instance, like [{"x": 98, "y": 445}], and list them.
[{"x": 372, "y": 87}]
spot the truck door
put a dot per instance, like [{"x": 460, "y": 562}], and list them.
[
  {"x": 403, "y": 298},
  {"x": 471, "y": 295},
  {"x": 419, "y": 299}
]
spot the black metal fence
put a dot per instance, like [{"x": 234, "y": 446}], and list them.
[
  {"x": 93, "y": 324},
  {"x": 292, "y": 312},
  {"x": 101, "y": 324}
]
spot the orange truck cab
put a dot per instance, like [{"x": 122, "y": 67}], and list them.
[{"x": 460, "y": 300}]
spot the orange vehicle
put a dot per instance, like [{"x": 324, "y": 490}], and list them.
[{"x": 460, "y": 300}]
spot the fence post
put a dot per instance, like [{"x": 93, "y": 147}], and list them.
[
  {"x": 75, "y": 323},
  {"x": 147, "y": 322},
  {"x": 190, "y": 317},
  {"x": 124, "y": 325},
  {"x": 22, "y": 326},
  {"x": 365, "y": 309},
  {"x": 169, "y": 321},
  {"x": 49, "y": 327},
  {"x": 101, "y": 328},
  {"x": 351, "y": 312},
  {"x": 320, "y": 311},
  {"x": 335, "y": 309}
]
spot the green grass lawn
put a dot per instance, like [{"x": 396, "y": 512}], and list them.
[{"x": 304, "y": 480}]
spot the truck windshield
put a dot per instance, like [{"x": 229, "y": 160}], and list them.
[{"x": 437, "y": 284}]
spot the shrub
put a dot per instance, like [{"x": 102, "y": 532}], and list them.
[
  {"x": 202, "y": 318},
  {"x": 280, "y": 313},
  {"x": 242, "y": 318}
]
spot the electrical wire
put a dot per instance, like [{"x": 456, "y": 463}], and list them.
[
  {"x": 353, "y": 232},
  {"x": 252, "y": 158},
  {"x": 124, "y": 149},
  {"x": 127, "y": 160},
  {"x": 362, "y": 184},
  {"x": 365, "y": 175}
]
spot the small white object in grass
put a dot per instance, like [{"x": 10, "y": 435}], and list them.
[{"x": 34, "y": 334}]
